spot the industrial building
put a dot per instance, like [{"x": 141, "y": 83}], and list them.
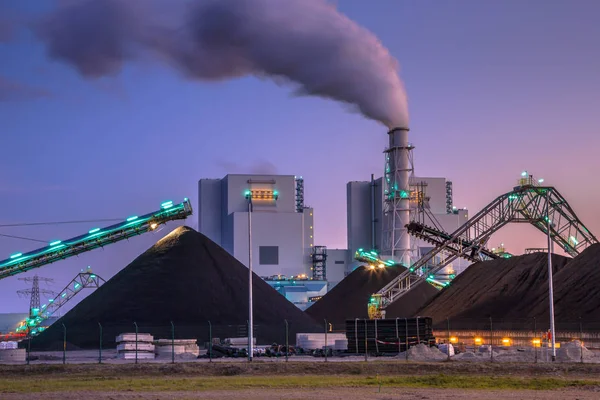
[
  {"x": 366, "y": 220},
  {"x": 282, "y": 227}
]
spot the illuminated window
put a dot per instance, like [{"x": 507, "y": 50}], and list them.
[{"x": 261, "y": 194}]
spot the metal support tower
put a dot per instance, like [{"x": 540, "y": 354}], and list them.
[
  {"x": 526, "y": 203},
  {"x": 299, "y": 194},
  {"x": 398, "y": 171},
  {"x": 319, "y": 262},
  {"x": 34, "y": 292},
  {"x": 83, "y": 280}
]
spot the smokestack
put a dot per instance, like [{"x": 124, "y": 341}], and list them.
[{"x": 397, "y": 200}]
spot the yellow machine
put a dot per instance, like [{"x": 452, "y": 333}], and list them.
[{"x": 374, "y": 308}]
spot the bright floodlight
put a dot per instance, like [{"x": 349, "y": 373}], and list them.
[
  {"x": 541, "y": 180},
  {"x": 524, "y": 173}
]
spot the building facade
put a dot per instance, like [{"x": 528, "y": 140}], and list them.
[{"x": 282, "y": 227}]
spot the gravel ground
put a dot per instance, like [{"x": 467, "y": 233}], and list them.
[{"x": 322, "y": 394}]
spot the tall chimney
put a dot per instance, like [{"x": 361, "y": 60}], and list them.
[{"x": 397, "y": 195}]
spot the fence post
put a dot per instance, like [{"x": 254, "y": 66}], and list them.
[
  {"x": 581, "y": 339},
  {"x": 406, "y": 338},
  {"x": 172, "y": 343},
  {"x": 491, "y": 341},
  {"x": 398, "y": 336},
  {"x": 448, "y": 343},
  {"x": 287, "y": 341},
  {"x": 535, "y": 337},
  {"x": 64, "y": 344},
  {"x": 366, "y": 345},
  {"x": 376, "y": 338},
  {"x": 100, "y": 349},
  {"x": 209, "y": 342},
  {"x": 136, "y": 341},
  {"x": 356, "y": 334},
  {"x": 325, "y": 339},
  {"x": 29, "y": 337},
  {"x": 418, "y": 334}
]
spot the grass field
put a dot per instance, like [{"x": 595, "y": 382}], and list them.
[
  {"x": 222, "y": 376},
  {"x": 176, "y": 384}
]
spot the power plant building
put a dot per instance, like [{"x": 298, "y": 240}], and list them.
[
  {"x": 284, "y": 253},
  {"x": 282, "y": 227},
  {"x": 366, "y": 223}
]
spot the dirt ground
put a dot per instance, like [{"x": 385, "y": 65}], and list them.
[{"x": 322, "y": 394}]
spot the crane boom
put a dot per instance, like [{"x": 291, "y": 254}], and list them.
[{"x": 95, "y": 238}]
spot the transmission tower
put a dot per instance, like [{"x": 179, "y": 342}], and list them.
[{"x": 35, "y": 291}]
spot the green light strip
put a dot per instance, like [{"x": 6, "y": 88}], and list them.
[{"x": 94, "y": 233}]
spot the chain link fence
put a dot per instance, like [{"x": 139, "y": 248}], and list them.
[{"x": 401, "y": 339}]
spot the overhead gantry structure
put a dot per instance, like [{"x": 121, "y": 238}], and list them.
[
  {"x": 95, "y": 238},
  {"x": 83, "y": 280},
  {"x": 529, "y": 202}
]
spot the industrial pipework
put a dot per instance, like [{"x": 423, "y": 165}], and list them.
[{"x": 398, "y": 170}]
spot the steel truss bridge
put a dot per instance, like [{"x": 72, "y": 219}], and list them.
[{"x": 541, "y": 206}]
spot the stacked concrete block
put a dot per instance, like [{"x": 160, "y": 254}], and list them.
[
  {"x": 127, "y": 345},
  {"x": 166, "y": 347}
]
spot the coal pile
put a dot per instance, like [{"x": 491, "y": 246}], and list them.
[
  {"x": 508, "y": 290},
  {"x": 349, "y": 298},
  {"x": 576, "y": 293},
  {"x": 185, "y": 278}
]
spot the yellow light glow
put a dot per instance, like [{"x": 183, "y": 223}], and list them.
[
  {"x": 153, "y": 226},
  {"x": 381, "y": 265},
  {"x": 261, "y": 194},
  {"x": 506, "y": 341},
  {"x": 453, "y": 339},
  {"x": 371, "y": 267},
  {"x": 478, "y": 340},
  {"x": 537, "y": 342}
]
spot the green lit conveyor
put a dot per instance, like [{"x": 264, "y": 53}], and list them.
[{"x": 95, "y": 238}]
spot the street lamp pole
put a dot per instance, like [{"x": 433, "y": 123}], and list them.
[
  {"x": 250, "y": 313},
  {"x": 550, "y": 286}
]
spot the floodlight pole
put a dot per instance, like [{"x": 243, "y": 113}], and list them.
[
  {"x": 550, "y": 286},
  {"x": 250, "y": 313}
]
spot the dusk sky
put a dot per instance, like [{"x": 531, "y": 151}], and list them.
[{"x": 494, "y": 88}]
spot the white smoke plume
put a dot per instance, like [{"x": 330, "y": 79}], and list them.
[{"x": 307, "y": 44}]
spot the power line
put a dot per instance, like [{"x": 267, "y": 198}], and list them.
[
  {"x": 23, "y": 238},
  {"x": 61, "y": 222}
]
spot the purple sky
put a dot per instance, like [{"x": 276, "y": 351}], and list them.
[{"x": 493, "y": 88}]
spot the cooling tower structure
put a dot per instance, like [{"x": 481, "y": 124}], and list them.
[{"x": 398, "y": 171}]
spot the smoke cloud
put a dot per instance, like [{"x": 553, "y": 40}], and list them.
[{"x": 306, "y": 44}]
